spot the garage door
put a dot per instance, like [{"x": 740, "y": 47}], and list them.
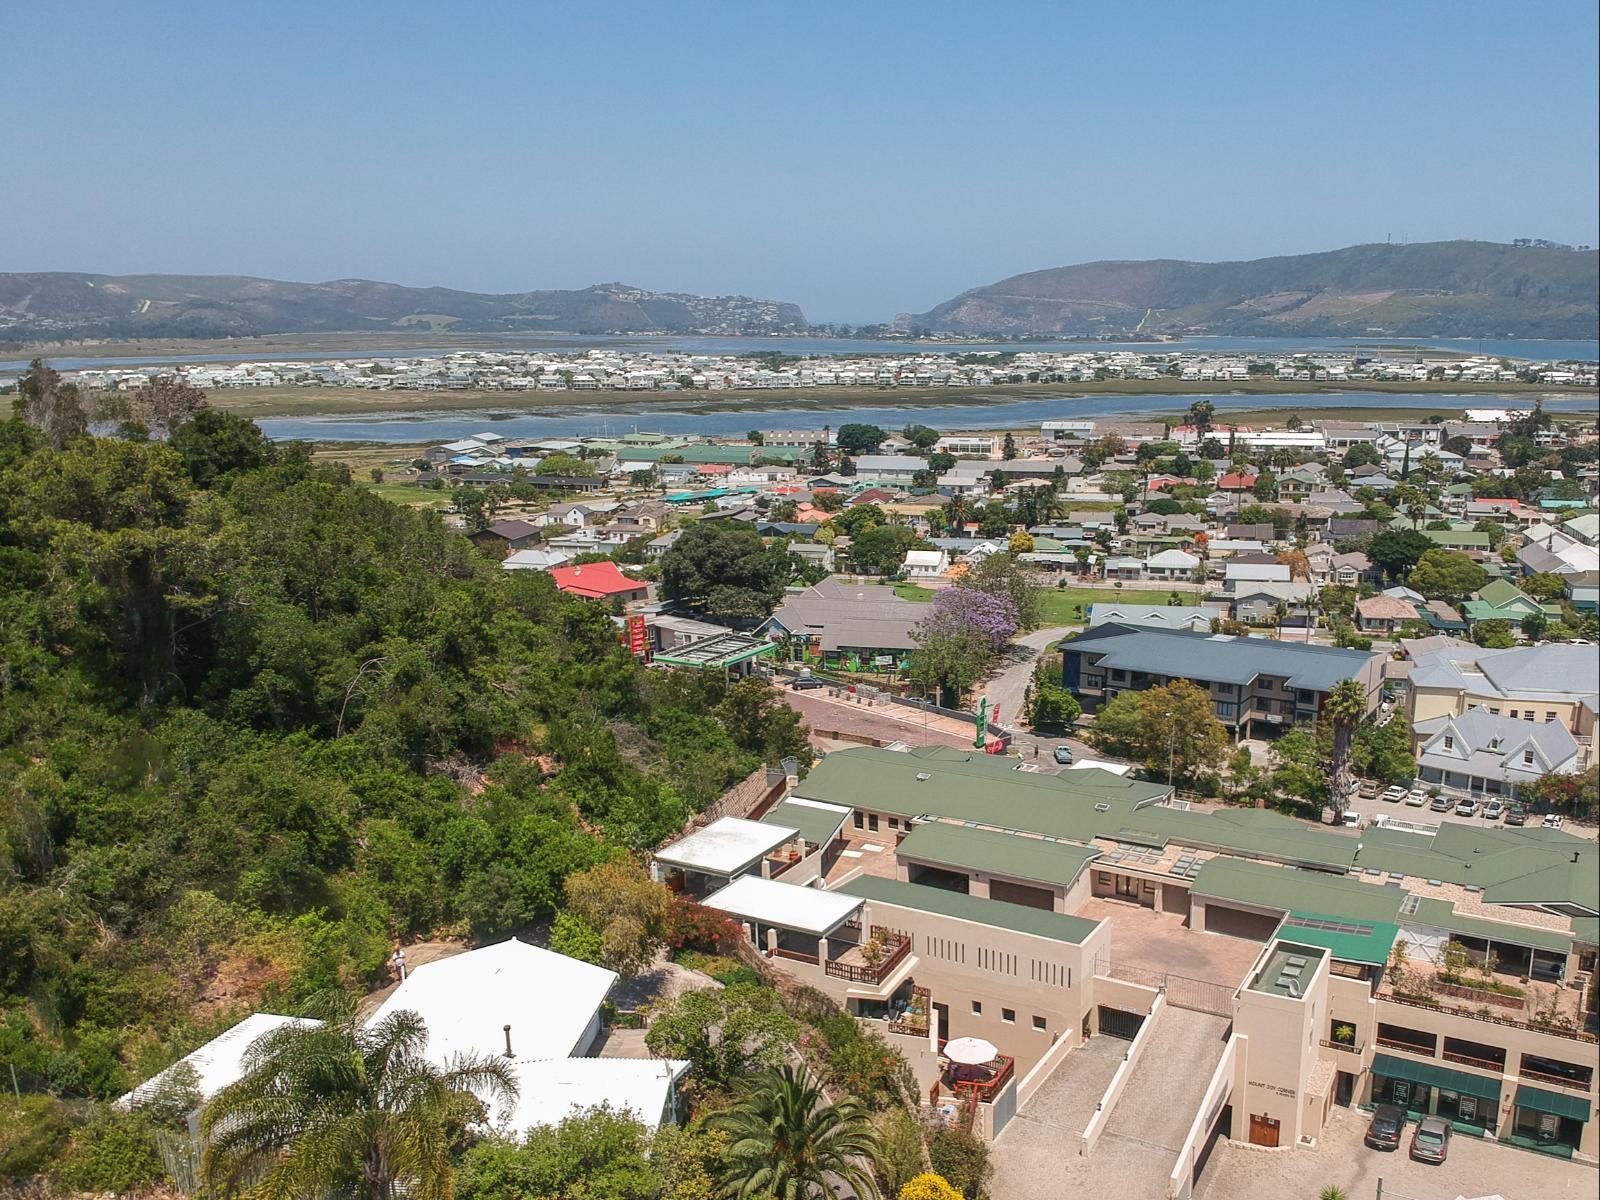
[
  {"x": 1017, "y": 893},
  {"x": 1235, "y": 922},
  {"x": 1119, "y": 1023}
]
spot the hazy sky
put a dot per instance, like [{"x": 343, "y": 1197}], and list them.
[{"x": 861, "y": 159}]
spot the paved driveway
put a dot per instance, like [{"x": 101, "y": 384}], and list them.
[{"x": 1475, "y": 1168}]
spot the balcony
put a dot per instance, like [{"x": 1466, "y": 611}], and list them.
[
  {"x": 1542, "y": 1008},
  {"x": 913, "y": 1021},
  {"x": 1353, "y": 1049},
  {"x": 992, "y": 1080},
  {"x": 872, "y": 961}
]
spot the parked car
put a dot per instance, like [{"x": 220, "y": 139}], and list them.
[
  {"x": 806, "y": 682},
  {"x": 1394, "y": 794},
  {"x": 1494, "y": 810},
  {"x": 1386, "y": 1126},
  {"x": 1430, "y": 1143},
  {"x": 1416, "y": 798},
  {"x": 1368, "y": 789},
  {"x": 1516, "y": 814},
  {"x": 1553, "y": 821},
  {"x": 1439, "y": 804},
  {"x": 1467, "y": 807},
  {"x": 1064, "y": 755}
]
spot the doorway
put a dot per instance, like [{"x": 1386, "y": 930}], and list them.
[
  {"x": 1263, "y": 1130},
  {"x": 941, "y": 1015},
  {"x": 1344, "y": 1089}
]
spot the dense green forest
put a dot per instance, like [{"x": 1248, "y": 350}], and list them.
[{"x": 258, "y": 725}]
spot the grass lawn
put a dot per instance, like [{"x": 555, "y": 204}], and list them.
[
  {"x": 913, "y": 591},
  {"x": 406, "y": 493},
  {"x": 1070, "y": 605}
]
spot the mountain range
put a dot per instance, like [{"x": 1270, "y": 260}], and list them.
[
  {"x": 1428, "y": 289},
  {"x": 55, "y": 305}
]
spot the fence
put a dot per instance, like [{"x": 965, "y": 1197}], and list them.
[
  {"x": 876, "y": 695},
  {"x": 1198, "y": 995}
]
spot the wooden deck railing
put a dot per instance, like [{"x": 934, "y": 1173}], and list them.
[
  {"x": 796, "y": 955},
  {"x": 895, "y": 952}
]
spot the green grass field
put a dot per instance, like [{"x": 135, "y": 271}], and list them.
[
  {"x": 405, "y": 493},
  {"x": 1070, "y": 605},
  {"x": 913, "y": 591}
]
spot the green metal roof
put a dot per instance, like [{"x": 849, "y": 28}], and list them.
[
  {"x": 997, "y": 913},
  {"x": 1533, "y": 865},
  {"x": 818, "y": 826},
  {"x": 1586, "y": 930},
  {"x": 1349, "y": 941},
  {"x": 719, "y": 650},
  {"x": 1007, "y": 854},
  {"x": 1434, "y": 1075},
  {"x": 1441, "y": 914},
  {"x": 1555, "y": 1103},
  {"x": 1290, "y": 889}
]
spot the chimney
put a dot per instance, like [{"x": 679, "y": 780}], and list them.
[{"x": 508, "y": 1041}]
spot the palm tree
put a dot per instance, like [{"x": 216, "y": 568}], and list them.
[
  {"x": 337, "y": 1109},
  {"x": 786, "y": 1141},
  {"x": 1347, "y": 705}
]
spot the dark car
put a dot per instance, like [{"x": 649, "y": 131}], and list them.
[
  {"x": 1516, "y": 815},
  {"x": 1385, "y": 1128},
  {"x": 1431, "y": 1141},
  {"x": 1064, "y": 755},
  {"x": 806, "y": 682}
]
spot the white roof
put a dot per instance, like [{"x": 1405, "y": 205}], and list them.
[
  {"x": 770, "y": 902},
  {"x": 1095, "y": 764},
  {"x": 534, "y": 560},
  {"x": 924, "y": 558},
  {"x": 547, "y": 998},
  {"x": 220, "y": 1061},
  {"x": 726, "y": 846},
  {"x": 553, "y": 1089}
]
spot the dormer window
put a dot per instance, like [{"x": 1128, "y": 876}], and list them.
[
  {"x": 1527, "y": 758},
  {"x": 1449, "y": 742}
]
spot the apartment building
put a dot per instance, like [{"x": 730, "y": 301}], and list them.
[
  {"x": 943, "y": 894},
  {"x": 1257, "y": 686},
  {"x": 1551, "y": 682}
]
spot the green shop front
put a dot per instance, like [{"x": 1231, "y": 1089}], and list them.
[
  {"x": 1469, "y": 1102},
  {"x": 1549, "y": 1120}
]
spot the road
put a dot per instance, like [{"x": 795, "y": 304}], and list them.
[{"x": 1008, "y": 688}]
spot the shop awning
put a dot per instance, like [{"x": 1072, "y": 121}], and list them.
[
  {"x": 1555, "y": 1103},
  {"x": 1436, "y": 1076}
]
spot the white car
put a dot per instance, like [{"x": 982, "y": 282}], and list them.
[
  {"x": 1416, "y": 799},
  {"x": 1553, "y": 821},
  {"x": 1467, "y": 807},
  {"x": 1350, "y": 820},
  {"x": 1494, "y": 810},
  {"x": 1395, "y": 794}
]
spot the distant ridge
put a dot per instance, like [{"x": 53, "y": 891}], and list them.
[
  {"x": 56, "y": 305},
  {"x": 1430, "y": 289}
]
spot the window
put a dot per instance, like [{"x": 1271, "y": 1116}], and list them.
[
  {"x": 1227, "y": 711},
  {"x": 1549, "y": 717},
  {"x": 1008, "y": 1015},
  {"x": 894, "y": 822},
  {"x": 1039, "y": 1024},
  {"x": 1494, "y": 712},
  {"x": 1515, "y": 714},
  {"x": 860, "y": 820},
  {"x": 977, "y": 1008},
  {"x": 1306, "y": 697},
  {"x": 1527, "y": 758},
  {"x": 872, "y": 822},
  {"x": 1449, "y": 742}
]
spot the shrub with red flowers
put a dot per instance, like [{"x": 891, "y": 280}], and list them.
[{"x": 692, "y": 926}]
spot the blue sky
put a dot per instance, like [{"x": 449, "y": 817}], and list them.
[{"x": 861, "y": 159}]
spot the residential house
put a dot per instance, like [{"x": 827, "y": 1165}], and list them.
[
  {"x": 814, "y": 554},
  {"x": 1384, "y": 614},
  {"x": 1258, "y": 603},
  {"x": 1176, "y": 565},
  {"x": 1348, "y": 570},
  {"x": 889, "y": 468},
  {"x": 1502, "y": 600},
  {"x": 1237, "y": 572},
  {"x": 837, "y": 622},
  {"x": 1553, "y": 682},
  {"x": 1257, "y": 685},
  {"x": 925, "y": 564},
  {"x": 599, "y": 581},
  {"x": 1482, "y": 754},
  {"x": 1196, "y": 619},
  {"x": 537, "y": 558},
  {"x": 1583, "y": 590},
  {"x": 505, "y": 537}
]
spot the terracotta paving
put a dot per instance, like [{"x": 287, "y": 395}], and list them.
[{"x": 1148, "y": 941}]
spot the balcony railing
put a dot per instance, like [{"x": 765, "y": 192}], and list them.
[
  {"x": 1347, "y": 1047},
  {"x": 795, "y": 955},
  {"x": 896, "y": 947},
  {"x": 1576, "y": 1035},
  {"x": 1408, "y": 1047},
  {"x": 1561, "y": 1081},
  {"x": 985, "y": 1090},
  {"x": 1486, "y": 1064}
]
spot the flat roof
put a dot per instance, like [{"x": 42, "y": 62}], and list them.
[
  {"x": 997, "y": 913},
  {"x": 726, "y": 846},
  {"x": 815, "y": 821},
  {"x": 1288, "y": 970},
  {"x": 551, "y": 1090},
  {"x": 786, "y": 905},
  {"x": 718, "y": 650},
  {"x": 1441, "y": 914},
  {"x": 1009, "y": 854}
]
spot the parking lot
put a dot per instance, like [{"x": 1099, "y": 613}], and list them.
[
  {"x": 1475, "y": 1168},
  {"x": 1369, "y": 808}
]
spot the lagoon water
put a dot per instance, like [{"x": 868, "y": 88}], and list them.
[
  {"x": 703, "y": 415},
  {"x": 1537, "y": 351}
]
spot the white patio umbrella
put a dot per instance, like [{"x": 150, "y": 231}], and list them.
[{"x": 970, "y": 1051}]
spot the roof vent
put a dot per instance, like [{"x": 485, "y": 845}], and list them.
[
  {"x": 1104, "y": 807},
  {"x": 923, "y": 777}
]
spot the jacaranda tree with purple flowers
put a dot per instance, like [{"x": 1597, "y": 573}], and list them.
[{"x": 959, "y": 638}]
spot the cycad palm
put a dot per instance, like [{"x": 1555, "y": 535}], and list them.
[
  {"x": 340, "y": 1110},
  {"x": 786, "y": 1141}
]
